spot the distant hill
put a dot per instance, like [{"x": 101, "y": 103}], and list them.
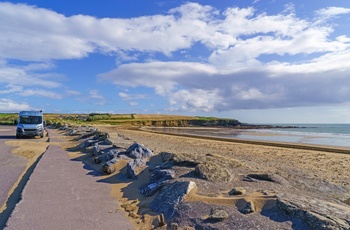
[{"x": 161, "y": 120}]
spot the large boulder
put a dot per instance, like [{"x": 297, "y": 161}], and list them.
[
  {"x": 170, "y": 196},
  {"x": 138, "y": 151},
  {"x": 134, "y": 167},
  {"x": 159, "y": 175},
  {"x": 317, "y": 214},
  {"x": 109, "y": 166},
  {"x": 158, "y": 178},
  {"x": 212, "y": 172},
  {"x": 151, "y": 188}
]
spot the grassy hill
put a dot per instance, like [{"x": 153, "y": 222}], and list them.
[{"x": 127, "y": 119}]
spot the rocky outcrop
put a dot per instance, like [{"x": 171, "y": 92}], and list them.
[
  {"x": 317, "y": 214},
  {"x": 134, "y": 167},
  {"x": 212, "y": 172},
  {"x": 170, "y": 196},
  {"x": 138, "y": 151}
]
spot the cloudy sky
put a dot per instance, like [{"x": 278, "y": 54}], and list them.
[{"x": 259, "y": 61}]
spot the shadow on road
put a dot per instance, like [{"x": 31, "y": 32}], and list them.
[{"x": 7, "y": 137}]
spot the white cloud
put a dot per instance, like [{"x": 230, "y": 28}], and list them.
[
  {"x": 195, "y": 100},
  {"x": 96, "y": 97},
  {"x": 7, "y": 105},
  {"x": 40, "y": 93},
  {"x": 254, "y": 60},
  {"x": 126, "y": 96},
  {"x": 332, "y": 11},
  {"x": 11, "y": 89}
]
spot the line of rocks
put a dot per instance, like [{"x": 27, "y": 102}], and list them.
[{"x": 168, "y": 192}]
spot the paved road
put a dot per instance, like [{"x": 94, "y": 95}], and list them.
[
  {"x": 11, "y": 166},
  {"x": 62, "y": 194}
]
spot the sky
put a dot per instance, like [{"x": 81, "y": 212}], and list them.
[{"x": 258, "y": 61}]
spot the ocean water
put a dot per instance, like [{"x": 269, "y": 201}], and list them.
[
  {"x": 318, "y": 134},
  {"x": 337, "y": 135}
]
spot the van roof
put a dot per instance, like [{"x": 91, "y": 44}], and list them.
[{"x": 31, "y": 113}]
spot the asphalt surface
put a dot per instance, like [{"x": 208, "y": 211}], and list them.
[
  {"x": 62, "y": 193},
  {"x": 11, "y": 166}
]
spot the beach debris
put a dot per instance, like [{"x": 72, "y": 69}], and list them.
[
  {"x": 170, "y": 196},
  {"x": 218, "y": 215},
  {"x": 249, "y": 208},
  {"x": 134, "y": 167},
  {"x": 237, "y": 191},
  {"x": 137, "y": 151}
]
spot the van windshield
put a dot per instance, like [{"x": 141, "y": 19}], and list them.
[{"x": 30, "y": 119}]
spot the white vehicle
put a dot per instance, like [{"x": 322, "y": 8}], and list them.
[{"x": 30, "y": 123}]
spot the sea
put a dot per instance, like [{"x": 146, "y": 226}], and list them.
[
  {"x": 337, "y": 135},
  {"x": 317, "y": 134}
]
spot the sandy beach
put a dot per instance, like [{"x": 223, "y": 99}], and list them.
[
  {"x": 308, "y": 174},
  {"x": 269, "y": 176}
]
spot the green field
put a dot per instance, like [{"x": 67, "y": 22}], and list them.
[{"x": 125, "y": 119}]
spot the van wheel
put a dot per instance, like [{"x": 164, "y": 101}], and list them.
[{"x": 18, "y": 136}]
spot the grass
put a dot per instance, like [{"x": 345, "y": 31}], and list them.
[{"x": 117, "y": 119}]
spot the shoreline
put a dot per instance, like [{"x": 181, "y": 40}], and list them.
[{"x": 292, "y": 145}]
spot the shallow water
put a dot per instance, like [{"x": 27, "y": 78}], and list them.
[{"x": 318, "y": 134}]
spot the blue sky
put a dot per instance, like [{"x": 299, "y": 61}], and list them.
[{"x": 257, "y": 61}]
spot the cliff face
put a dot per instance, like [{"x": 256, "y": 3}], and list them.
[{"x": 187, "y": 123}]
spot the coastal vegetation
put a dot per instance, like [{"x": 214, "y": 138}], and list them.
[{"x": 127, "y": 119}]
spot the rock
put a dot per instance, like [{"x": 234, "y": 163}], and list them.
[
  {"x": 237, "y": 191},
  {"x": 102, "y": 136},
  {"x": 151, "y": 188},
  {"x": 108, "y": 141},
  {"x": 108, "y": 167},
  {"x": 249, "y": 208},
  {"x": 167, "y": 156},
  {"x": 134, "y": 167},
  {"x": 112, "y": 153},
  {"x": 317, "y": 214},
  {"x": 164, "y": 165},
  {"x": 90, "y": 142},
  {"x": 96, "y": 150},
  {"x": 159, "y": 175},
  {"x": 212, "y": 172},
  {"x": 98, "y": 159},
  {"x": 170, "y": 196},
  {"x": 218, "y": 215},
  {"x": 254, "y": 177},
  {"x": 139, "y": 151}
]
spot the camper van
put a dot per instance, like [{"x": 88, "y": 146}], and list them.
[{"x": 30, "y": 123}]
